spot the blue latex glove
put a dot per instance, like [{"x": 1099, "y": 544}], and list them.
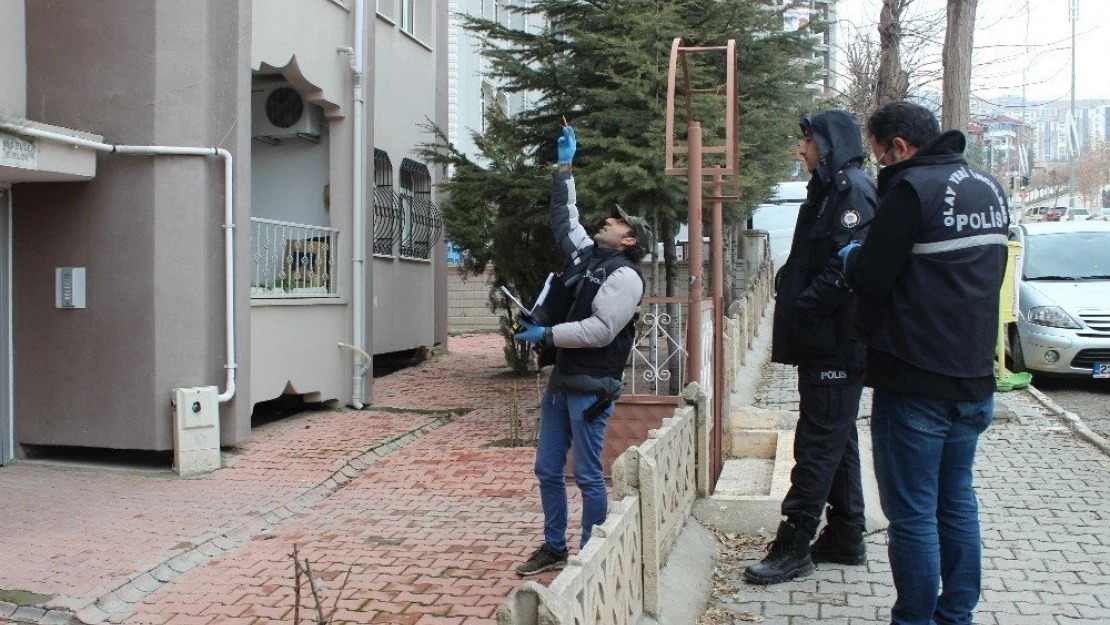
[
  {"x": 845, "y": 254},
  {"x": 568, "y": 143},
  {"x": 532, "y": 333}
]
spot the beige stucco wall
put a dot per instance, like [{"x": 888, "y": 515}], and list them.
[
  {"x": 300, "y": 37},
  {"x": 147, "y": 228},
  {"x": 306, "y": 354},
  {"x": 405, "y": 303},
  {"x": 13, "y": 58},
  {"x": 299, "y": 344}
]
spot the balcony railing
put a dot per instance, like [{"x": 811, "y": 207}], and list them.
[{"x": 290, "y": 260}]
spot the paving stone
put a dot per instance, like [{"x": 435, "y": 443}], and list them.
[
  {"x": 27, "y": 613},
  {"x": 57, "y": 617},
  {"x": 1045, "y": 513}
]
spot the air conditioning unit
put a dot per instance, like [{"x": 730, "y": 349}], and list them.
[{"x": 278, "y": 111}]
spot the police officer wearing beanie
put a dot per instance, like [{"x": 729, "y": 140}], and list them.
[
  {"x": 812, "y": 329},
  {"x": 591, "y": 349},
  {"x": 928, "y": 278}
]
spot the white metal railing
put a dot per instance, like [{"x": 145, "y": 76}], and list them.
[
  {"x": 291, "y": 260},
  {"x": 707, "y": 359},
  {"x": 658, "y": 358}
]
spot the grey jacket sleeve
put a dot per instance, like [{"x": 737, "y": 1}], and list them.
[
  {"x": 570, "y": 236},
  {"x": 616, "y": 302}
]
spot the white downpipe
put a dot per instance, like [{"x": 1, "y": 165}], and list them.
[
  {"x": 229, "y": 217},
  {"x": 358, "y": 246}
]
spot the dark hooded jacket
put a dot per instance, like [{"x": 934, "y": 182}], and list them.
[{"x": 813, "y": 312}]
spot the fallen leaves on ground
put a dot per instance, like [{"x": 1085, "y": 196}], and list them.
[{"x": 717, "y": 616}]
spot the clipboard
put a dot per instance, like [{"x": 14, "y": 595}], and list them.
[{"x": 527, "y": 312}]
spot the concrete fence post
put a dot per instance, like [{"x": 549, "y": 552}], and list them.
[{"x": 694, "y": 396}]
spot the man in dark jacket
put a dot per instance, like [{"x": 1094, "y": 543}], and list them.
[
  {"x": 812, "y": 329},
  {"x": 591, "y": 348},
  {"x": 928, "y": 278}
]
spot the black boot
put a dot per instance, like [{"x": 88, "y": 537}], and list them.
[
  {"x": 841, "y": 542},
  {"x": 788, "y": 557}
]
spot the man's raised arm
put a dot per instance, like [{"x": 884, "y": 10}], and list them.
[{"x": 570, "y": 236}]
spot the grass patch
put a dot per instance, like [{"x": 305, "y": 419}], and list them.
[{"x": 23, "y": 597}]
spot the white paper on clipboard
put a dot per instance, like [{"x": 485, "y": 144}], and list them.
[{"x": 524, "y": 309}]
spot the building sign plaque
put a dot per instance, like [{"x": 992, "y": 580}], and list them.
[{"x": 18, "y": 151}]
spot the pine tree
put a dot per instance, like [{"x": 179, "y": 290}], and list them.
[{"x": 603, "y": 65}]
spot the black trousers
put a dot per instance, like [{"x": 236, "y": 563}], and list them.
[{"x": 826, "y": 449}]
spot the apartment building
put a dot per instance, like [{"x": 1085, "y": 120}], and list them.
[{"x": 283, "y": 232}]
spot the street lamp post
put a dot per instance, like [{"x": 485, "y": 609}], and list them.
[{"x": 1073, "y": 130}]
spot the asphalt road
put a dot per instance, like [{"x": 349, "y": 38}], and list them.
[{"x": 1090, "y": 399}]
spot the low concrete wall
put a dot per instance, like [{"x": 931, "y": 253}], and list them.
[
  {"x": 615, "y": 578},
  {"x": 468, "y": 303}
]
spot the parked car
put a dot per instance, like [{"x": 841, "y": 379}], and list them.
[
  {"x": 1077, "y": 214},
  {"x": 1034, "y": 214},
  {"x": 1063, "y": 325},
  {"x": 1056, "y": 213}
]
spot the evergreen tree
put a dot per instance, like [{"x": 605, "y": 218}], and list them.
[{"x": 603, "y": 65}]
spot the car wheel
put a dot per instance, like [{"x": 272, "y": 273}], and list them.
[{"x": 1017, "y": 355}]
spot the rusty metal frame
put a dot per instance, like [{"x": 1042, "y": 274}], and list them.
[{"x": 720, "y": 178}]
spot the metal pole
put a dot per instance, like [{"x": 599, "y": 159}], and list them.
[
  {"x": 693, "y": 261},
  {"x": 1073, "y": 138},
  {"x": 717, "y": 259}
]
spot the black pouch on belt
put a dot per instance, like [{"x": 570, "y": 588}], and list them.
[{"x": 595, "y": 409}]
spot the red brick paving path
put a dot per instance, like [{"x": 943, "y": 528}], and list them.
[{"x": 431, "y": 532}]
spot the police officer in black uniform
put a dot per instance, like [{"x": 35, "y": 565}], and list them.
[
  {"x": 928, "y": 280},
  {"x": 812, "y": 329}
]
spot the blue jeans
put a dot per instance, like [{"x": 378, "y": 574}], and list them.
[
  {"x": 924, "y": 452},
  {"x": 561, "y": 427}
]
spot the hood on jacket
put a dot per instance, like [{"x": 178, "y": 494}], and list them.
[{"x": 836, "y": 133}]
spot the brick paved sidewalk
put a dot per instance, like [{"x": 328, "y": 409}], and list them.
[
  {"x": 1045, "y": 509},
  {"x": 430, "y": 525}
]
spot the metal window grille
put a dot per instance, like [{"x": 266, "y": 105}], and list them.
[
  {"x": 387, "y": 210},
  {"x": 291, "y": 260},
  {"x": 421, "y": 224}
]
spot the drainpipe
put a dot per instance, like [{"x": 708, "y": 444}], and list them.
[
  {"x": 229, "y": 217},
  {"x": 359, "y": 357}
]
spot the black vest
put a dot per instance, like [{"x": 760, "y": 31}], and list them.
[
  {"x": 607, "y": 361},
  {"x": 942, "y": 313}
]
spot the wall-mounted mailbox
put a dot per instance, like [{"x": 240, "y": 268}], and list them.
[{"x": 69, "y": 287}]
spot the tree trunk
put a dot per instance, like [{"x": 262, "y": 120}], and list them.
[
  {"x": 891, "y": 81},
  {"x": 957, "y": 64}
]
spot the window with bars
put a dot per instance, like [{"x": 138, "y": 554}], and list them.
[
  {"x": 420, "y": 221},
  {"x": 387, "y": 214}
]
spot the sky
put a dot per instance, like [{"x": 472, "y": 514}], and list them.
[{"x": 1003, "y": 29}]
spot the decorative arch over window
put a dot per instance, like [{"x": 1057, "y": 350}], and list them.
[
  {"x": 421, "y": 224},
  {"x": 387, "y": 210}
]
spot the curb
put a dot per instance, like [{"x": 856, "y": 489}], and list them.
[
  {"x": 1072, "y": 419},
  {"x": 120, "y": 601}
]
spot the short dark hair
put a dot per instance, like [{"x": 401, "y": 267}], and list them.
[{"x": 912, "y": 122}]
